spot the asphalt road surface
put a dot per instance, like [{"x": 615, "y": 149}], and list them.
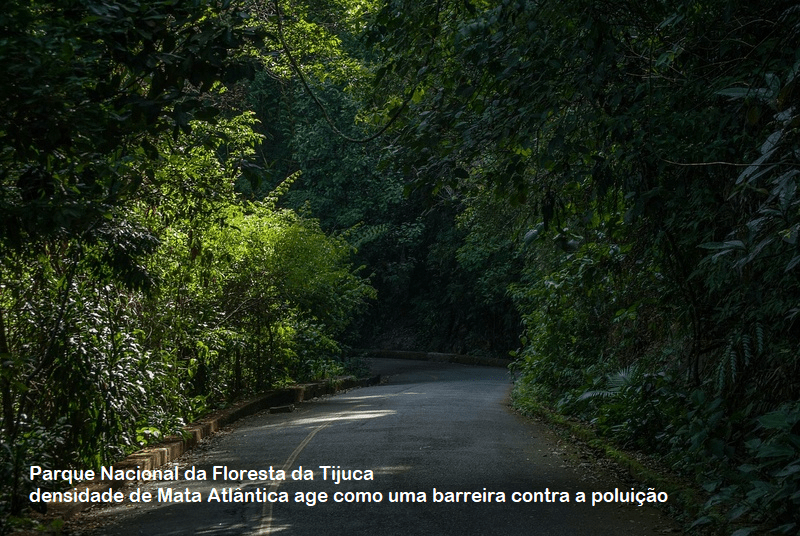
[{"x": 432, "y": 426}]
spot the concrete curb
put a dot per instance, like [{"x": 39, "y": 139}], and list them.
[
  {"x": 172, "y": 448},
  {"x": 435, "y": 356}
]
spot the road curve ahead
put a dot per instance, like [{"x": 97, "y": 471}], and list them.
[{"x": 432, "y": 429}]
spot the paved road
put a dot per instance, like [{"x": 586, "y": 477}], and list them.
[{"x": 431, "y": 426}]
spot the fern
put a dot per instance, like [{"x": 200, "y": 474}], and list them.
[
  {"x": 361, "y": 234},
  {"x": 727, "y": 365},
  {"x": 280, "y": 190},
  {"x": 747, "y": 349},
  {"x": 759, "y": 328},
  {"x": 616, "y": 383}
]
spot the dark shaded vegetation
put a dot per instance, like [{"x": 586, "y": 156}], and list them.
[
  {"x": 645, "y": 159},
  {"x": 609, "y": 190}
]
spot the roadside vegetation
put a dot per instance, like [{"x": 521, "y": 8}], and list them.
[
  {"x": 139, "y": 286},
  {"x": 204, "y": 199}
]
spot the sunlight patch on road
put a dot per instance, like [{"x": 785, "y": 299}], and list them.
[
  {"x": 349, "y": 416},
  {"x": 392, "y": 469},
  {"x": 380, "y": 396},
  {"x": 277, "y": 528},
  {"x": 267, "y": 527}
]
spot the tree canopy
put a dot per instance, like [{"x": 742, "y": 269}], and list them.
[{"x": 606, "y": 190}]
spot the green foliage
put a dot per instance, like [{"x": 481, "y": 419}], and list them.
[
  {"x": 86, "y": 87},
  {"x": 653, "y": 152},
  {"x": 273, "y": 292},
  {"x": 619, "y": 182},
  {"x": 136, "y": 290},
  {"x": 771, "y": 484}
]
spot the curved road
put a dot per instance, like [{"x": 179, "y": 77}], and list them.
[{"x": 432, "y": 425}]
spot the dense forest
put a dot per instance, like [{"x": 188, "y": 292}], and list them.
[{"x": 204, "y": 199}]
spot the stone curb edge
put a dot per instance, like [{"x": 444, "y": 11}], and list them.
[
  {"x": 434, "y": 356},
  {"x": 172, "y": 448}
]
